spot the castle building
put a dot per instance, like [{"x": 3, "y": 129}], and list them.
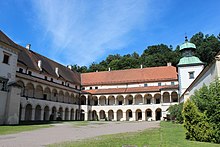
[{"x": 35, "y": 88}]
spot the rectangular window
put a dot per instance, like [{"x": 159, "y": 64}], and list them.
[
  {"x": 90, "y": 87},
  {"x": 145, "y": 85},
  {"x": 76, "y": 87},
  {"x": 51, "y": 79},
  {"x": 29, "y": 73},
  {"x": 6, "y": 59},
  {"x": 83, "y": 88},
  {"x": 45, "y": 77},
  {"x": 96, "y": 87},
  {"x": 191, "y": 75},
  {"x": 62, "y": 83},
  {"x": 20, "y": 70},
  {"x": 172, "y": 83},
  {"x": 159, "y": 84}
]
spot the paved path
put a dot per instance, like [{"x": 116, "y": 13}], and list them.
[{"x": 68, "y": 132}]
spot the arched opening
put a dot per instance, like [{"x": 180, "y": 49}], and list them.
[
  {"x": 95, "y": 100},
  {"x": 138, "y": 114},
  {"x": 111, "y": 100},
  {"x": 138, "y": 99},
  {"x": 66, "y": 98},
  {"x": 77, "y": 115},
  {"x": 102, "y": 114},
  {"x": 53, "y": 115},
  {"x": 129, "y": 100},
  {"x": 29, "y": 90},
  {"x": 61, "y": 96},
  {"x": 82, "y": 115},
  {"x": 102, "y": 100},
  {"x": 83, "y": 100},
  {"x": 60, "y": 114},
  {"x": 119, "y": 115},
  {"x": 174, "y": 97},
  {"x": 47, "y": 94},
  {"x": 148, "y": 114},
  {"x": 67, "y": 114},
  {"x": 157, "y": 98},
  {"x": 120, "y": 100},
  {"x": 28, "y": 112},
  {"x": 90, "y": 115},
  {"x": 72, "y": 114},
  {"x": 39, "y": 92},
  {"x": 21, "y": 84},
  {"x": 94, "y": 115},
  {"x": 46, "y": 113},
  {"x": 38, "y": 113},
  {"x": 148, "y": 99},
  {"x": 54, "y": 95},
  {"x": 20, "y": 112},
  {"x": 129, "y": 115},
  {"x": 110, "y": 115},
  {"x": 158, "y": 113},
  {"x": 166, "y": 97}
]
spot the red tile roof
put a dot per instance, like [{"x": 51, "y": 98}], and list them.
[
  {"x": 151, "y": 74},
  {"x": 130, "y": 90}
]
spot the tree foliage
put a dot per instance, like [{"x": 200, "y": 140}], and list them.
[
  {"x": 157, "y": 55},
  {"x": 176, "y": 112},
  {"x": 202, "y": 114}
]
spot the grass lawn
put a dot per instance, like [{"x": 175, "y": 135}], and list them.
[
  {"x": 20, "y": 128},
  {"x": 169, "y": 135}
]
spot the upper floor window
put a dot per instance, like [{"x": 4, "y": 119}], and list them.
[
  {"x": 191, "y": 75},
  {"x": 172, "y": 83},
  {"x": 45, "y": 77},
  {"x": 145, "y": 85},
  {"x": 90, "y": 87},
  {"x": 20, "y": 70},
  {"x": 76, "y": 87},
  {"x": 96, "y": 87},
  {"x": 29, "y": 73},
  {"x": 83, "y": 88},
  {"x": 51, "y": 79},
  {"x": 62, "y": 83},
  {"x": 159, "y": 84},
  {"x": 6, "y": 58}
]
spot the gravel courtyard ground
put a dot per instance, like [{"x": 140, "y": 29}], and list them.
[{"x": 67, "y": 132}]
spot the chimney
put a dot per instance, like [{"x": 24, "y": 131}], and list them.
[
  {"x": 169, "y": 64},
  {"x": 39, "y": 64},
  {"x": 109, "y": 69},
  {"x": 70, "y": 67},
  {"x": 141, "y": 66},
  {"x": 28, "y": 46},
  {"x": 57, "y": 71}
]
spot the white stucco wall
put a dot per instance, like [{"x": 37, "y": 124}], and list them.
[
  {"x": 184, "y": 80},
  {"x": 8, "y": 71}
]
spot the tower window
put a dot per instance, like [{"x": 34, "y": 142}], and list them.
[
  {"x": 6, "y": 59},
  {"x": 191, "y": 75}
]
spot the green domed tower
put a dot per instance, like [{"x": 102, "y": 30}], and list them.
[{"x": 189, "y": 65}]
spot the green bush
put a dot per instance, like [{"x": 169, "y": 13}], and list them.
[
  {"x": 196, "y": 123},
  {"x": 176, "y": 112}
]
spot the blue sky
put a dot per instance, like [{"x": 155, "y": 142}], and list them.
[{"x": 84, "y": 31}]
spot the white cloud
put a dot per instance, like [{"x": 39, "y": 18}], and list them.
[{"x": 82, "y": 31}]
